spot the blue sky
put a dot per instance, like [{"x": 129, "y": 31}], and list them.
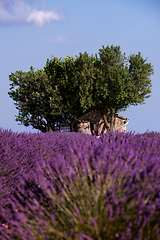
[{"x": 33, "y": 30}]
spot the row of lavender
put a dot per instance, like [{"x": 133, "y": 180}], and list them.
[{"x": 75, "y": 186}]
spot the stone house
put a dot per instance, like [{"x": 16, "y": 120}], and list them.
[{"x": 93, "y": 123}]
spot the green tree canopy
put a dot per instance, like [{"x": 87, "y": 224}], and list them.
[{"x": 68, "y": 87}]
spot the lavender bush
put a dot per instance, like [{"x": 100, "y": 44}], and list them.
[{"x": 75, "y": 186}]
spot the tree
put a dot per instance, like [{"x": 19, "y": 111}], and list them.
[
  {"x": 68, "y": 87},
  {"x": 38, "y": 101},
  {"x": 126, "y": 81}
]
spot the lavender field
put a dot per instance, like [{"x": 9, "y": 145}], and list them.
[{"x": 76, "y": 186}]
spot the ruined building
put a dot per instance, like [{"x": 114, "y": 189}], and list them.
[{"x": 93, "y": 123}]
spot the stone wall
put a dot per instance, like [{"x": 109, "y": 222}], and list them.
[
  {"x": 82, "y": 126},
  {"x": 119, "y": 124}
]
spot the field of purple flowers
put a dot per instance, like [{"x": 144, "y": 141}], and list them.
[{"x": 73, "y": 186}]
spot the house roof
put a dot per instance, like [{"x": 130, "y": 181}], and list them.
[
  {"x": 121, "y": 117},
  {"x": 94, "y": 115}
]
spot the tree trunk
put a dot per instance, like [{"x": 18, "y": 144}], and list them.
[
  {"x": 113, "y": 119},
  {"x": 105, "y": 119}
]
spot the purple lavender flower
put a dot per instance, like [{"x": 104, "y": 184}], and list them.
[{"x": 75, "y": 186}]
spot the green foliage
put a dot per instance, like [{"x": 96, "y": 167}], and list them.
[
  {"x": 126, "y": 80},
  {"x": 67, "y": 87},
  {"x": 36, "y": 99}
]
